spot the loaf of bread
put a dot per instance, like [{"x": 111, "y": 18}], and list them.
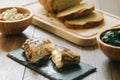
[
  {"x": 38, "y": 50},
  {"x": 75, "y": 11},
  {"x": 58, "y": 5},
  {"x": 63, "y": 57},
  {"x": 88, "y": 21}
]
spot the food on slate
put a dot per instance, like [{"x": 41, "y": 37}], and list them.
[
  {"x": 76, "y": 11},
  {"x": 88, "y": 21},
  {"x": 111, "y": 37},
  {"x": 58, "y": 5},
  {"x": 12, "y": 15},
  {"x": 38, "y": 50},
  {"x": 62, "y": 56}
]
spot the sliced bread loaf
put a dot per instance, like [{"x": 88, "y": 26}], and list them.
[
  {"x": 58, "y": 5},
  {"x": 88, "y": 21},
  {"x": 76, "y": 11}
]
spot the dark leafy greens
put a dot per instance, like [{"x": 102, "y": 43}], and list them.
[{"x": 111, "y": 37}]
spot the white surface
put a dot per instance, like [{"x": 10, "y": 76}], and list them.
[
  {"x": 6, "y": 3},
  {"x": 111, "y": 6}
]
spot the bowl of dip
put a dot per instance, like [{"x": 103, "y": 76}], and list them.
[
  {"x": 14, "y": 20},
  {"x": 109, "y": 43}
]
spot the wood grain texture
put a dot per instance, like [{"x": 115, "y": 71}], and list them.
[
  {"x": 10, "y": 70},
  {"x": 82, "y": 37},
  {"x": 8, "y": 67},
  {"x": 102, "y": 63}
]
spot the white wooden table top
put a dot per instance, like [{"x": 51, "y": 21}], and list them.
[{"x": 11, "y": 70}]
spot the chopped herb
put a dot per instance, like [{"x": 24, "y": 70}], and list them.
[{"x": 111, "y": 37}]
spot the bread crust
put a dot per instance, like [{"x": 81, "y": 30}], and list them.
[
  {"x": 84, "y": 26},
  {"x": 48, "y": 4},
  {"x": 76, "y": 14},
  {"x": 87, "y": 24}
]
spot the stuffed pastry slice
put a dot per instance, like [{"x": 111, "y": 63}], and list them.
[
  {"x": 38, "y": 50},
  {"x": 63, "y": 57}
]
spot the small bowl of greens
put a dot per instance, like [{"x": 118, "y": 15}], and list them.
[{"x": 109, "y": 42}]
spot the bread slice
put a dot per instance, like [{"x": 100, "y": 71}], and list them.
[
  {"x": 88, "y": 21},
  {"x": 63, "y": 56},
  {"x": 37, "y": 50},
  {"x": 75, "y": 11},
  {"x": 58, "y": 5},
  {"x": 57, "y": 58}
]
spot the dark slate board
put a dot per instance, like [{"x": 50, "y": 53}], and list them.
[{"x": 48, "y": 70}]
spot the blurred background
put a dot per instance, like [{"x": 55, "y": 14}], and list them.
[{"x": 111, "y": 6}]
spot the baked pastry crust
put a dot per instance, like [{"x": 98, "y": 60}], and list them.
[
  {"x": 63, "y": 57},
  {"x": 37, "y": 50}
]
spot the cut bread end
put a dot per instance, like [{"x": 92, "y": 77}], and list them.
[
  {"x": 88, "y": 21},
  {"x": 75, "y": 11},
  {"x": 63, "y": 56}
]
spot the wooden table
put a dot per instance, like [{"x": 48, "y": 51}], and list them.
[{"x": 11, "y": 70}]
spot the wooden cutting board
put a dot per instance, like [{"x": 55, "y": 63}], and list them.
[{"x": 83, "y": 37}]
